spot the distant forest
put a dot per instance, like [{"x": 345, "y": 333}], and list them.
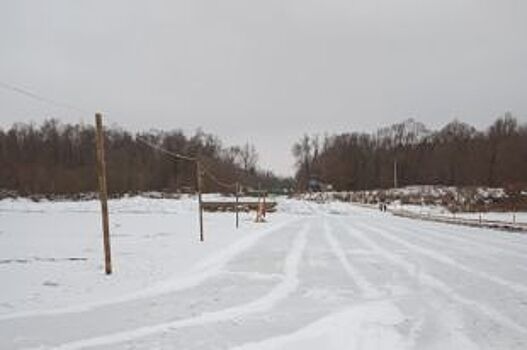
[
  {"x": 456, "y": 155},
  {"x": 56, "y": 158}
]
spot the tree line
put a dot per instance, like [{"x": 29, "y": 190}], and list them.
[
  {"x": 456, "y": 155},
  {"x": 57, "y": 158}
]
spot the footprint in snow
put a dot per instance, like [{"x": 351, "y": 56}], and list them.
[{"x": 50, "y": 284}]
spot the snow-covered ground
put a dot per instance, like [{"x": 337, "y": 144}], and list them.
[{"x": 331, "y": 276}]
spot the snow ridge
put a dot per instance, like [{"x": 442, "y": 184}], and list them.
[
  {"x": 206, "y": 269},
  {"x": 287, "y": 286}
]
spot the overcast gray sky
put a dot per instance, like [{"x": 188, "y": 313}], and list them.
[{"x": 266, "y": 71}]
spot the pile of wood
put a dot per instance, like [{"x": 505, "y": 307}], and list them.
[{"x": 217, "y": 206}]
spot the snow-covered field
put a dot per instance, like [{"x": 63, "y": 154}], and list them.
[{"x": 330, "y": 276}]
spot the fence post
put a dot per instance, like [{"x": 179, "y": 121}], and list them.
[
  {"x": 103, "y": 193},
  {"x": 200, "y": 202},
  {"x": 237, "y": 204}
]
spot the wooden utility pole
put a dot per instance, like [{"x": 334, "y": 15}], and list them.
[
  {"x": 265, "y": 204},
  {"x": 103, "y": 194},
  {"x": 237, "y": 204},
  {"x": 200, "y": 202},
  {"x": 260, "y": 208},
  {"x": 395, "y": 173}
]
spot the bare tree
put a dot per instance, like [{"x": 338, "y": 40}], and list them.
[
  {"x": 249, "y": 158},
  {"x": 457, "y": 155},
  {"x": 59, "y": 159}
]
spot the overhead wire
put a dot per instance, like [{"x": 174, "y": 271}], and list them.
[
  {"x": 38, "y": 97},
  {"x": 171, "y": 154},
  {"x": 218, "y": 181},
  {"x": 165, "y": 151},
  {"x": 204, "y": 169}
]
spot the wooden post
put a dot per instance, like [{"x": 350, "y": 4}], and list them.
[
  {"x": 237, "y": 204},
  {"x": 103, "y": 194},
  {"x": 259, "y": 209},
  {"x": 265, "y": 204},
  {"x": 260, "y": 200},
  {"x": 200, "y": 202},
  {"x": 395, "y": 173}
]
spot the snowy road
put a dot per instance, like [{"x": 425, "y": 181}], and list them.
[{"x": 323, "y": 276}]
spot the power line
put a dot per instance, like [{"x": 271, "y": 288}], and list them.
[
  {"x": 165, "y": 151},
  {"x": 176, "y": 156},
  {"x": 217, "y": 181},
  {"x": 38, "y": 97}
]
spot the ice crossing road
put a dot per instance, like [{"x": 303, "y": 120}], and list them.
[{"x": 331, "y": 277}]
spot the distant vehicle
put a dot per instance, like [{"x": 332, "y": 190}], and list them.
[{"x": 314, "y": 185}]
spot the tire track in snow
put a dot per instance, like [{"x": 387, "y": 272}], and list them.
[
  {"x": 366, "y": 288},
  {"x": 203, "y": 271},
  {"x": 446, "y": 260},
  {"x": 443, "y": 235},
  {"x": 286, "y": 287},
  {"x": 508, "y": 241},
  {"x": 435, "y": 283},
  {"x": 464, "y": 246},
  {"x": 444, "y": 239}
]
